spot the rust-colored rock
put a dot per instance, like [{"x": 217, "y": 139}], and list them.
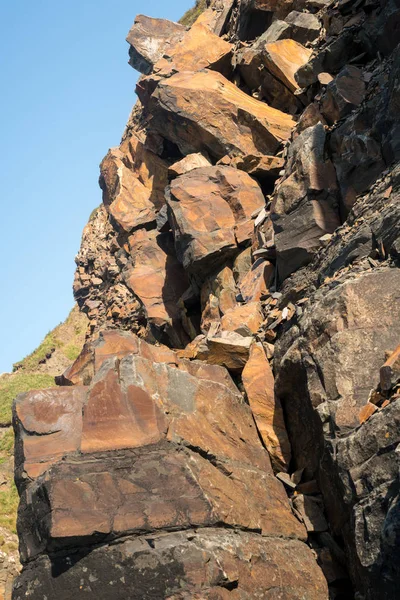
[
  {"x": 258, "y": 382},
  {"x": 242, "y": 125},
  {"x": 198, "y": 49},
  {"x": 158, "y": 280},
  {"x": 208, "y": 208},
  {"x": 149, "y": 39},
  {"x": 283, "y": 58},
  {"x": 189, "y": 163},
  {"x": 256, "y": 283},
  {"x": 245, "y": 319},
  {"x": 50, "y": 426}
]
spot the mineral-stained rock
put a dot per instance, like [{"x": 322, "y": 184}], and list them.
[
  {"x": 149, "y": 39},
  {"x": 257, "y": 281},
  {"x": 245, "y": 319},
  {"x": 216, "y": 16},
  {"x": 209, "y": 208},
  {"x": 126, "y": 198},
  {"x": 258, "y": 382},
  {"x": 218, "y": 296},
  {"x": 50, "y": 426},
  {"x": 155, "y": 427},
  {"x": 155, "y": 276},
  {"x": 228, "y": 349},
  {"x": 306, "y": 202},
  {"x": 197, "y": 565},
  {"x": 183, "y": 110},
  {"x": 311, "y": 510},
  {"x": 283, "y": 58},
  {"x": 189, "y": 163},
  {"x": 198, "y": 49}
]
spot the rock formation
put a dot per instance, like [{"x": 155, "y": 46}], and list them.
[{"x": 230, "y": 428}]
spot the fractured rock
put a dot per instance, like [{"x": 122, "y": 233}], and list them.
[
  {"x": 258, "y": 382},
  {"x": 283, "y": 58},
  {"x": 245, "y": 319},
  {"x": 149, "y": 39},
  {"x": 209, "y": 209},
  {"x": 304, "y": 27},
  {"x": 305, "y": 205},
  {"x": 156, "y": 277},
  {"x": 343, "y": 94},
  {"x": 186, "y": 102},
  {"x": 198, "y": 49},
  {"x": 189, "y": 163}
]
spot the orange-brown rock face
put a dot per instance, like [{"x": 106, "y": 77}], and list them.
[
  {"x": 147, "y": 429},
  {"x": 198, "y": 49},
  {"x": 209, "y": 209},
  {"x": 241, "y": 125},
  {"x": 258, "y": 382},
  {"x": 240, "y": 281}
]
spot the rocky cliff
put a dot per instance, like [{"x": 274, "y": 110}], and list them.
[{"x": 230, "y": 428}]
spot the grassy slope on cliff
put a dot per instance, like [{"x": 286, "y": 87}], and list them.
[
  {"x": 191, "y": 15},
  {"x": 58, "y": 349}
]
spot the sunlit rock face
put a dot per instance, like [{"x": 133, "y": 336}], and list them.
[{"x": 230, "y": 428}]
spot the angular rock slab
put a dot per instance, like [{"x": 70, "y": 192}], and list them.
[
  {"x": 136, "y": 492},
  {"x": 149, "y": 39},
  {"x": 157, "y": 278},
  {"x": 305, "y": 204},
  {"x": 204, "y": 111},
  {"x": 212, "y": 564},
  {"x": 210, "y": 210},
  {"x": 258, "y": 382},
  {"x": 198, "y": 49}
]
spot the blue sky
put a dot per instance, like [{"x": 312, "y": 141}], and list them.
[{"x": 66, "y": 93}]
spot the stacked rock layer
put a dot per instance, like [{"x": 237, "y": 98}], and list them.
[{"x": 230, "y": 429}]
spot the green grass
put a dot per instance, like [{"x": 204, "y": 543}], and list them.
[
  {"x": 72, "y": 352},
  {"x": 30, "y": 363},
  {"x": 9, "y": 500},
  {"x": 192, "y": 14},
  {"x": 6, "y": 445},
  {"x": 11, "y": 386}
]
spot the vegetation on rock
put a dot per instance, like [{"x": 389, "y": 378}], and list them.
[{"x": 193, "y": 13}]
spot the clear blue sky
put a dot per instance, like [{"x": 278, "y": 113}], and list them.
[{"x": 66, "y": 93}]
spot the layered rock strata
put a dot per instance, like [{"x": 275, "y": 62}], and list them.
[{"x": 231, "y": 426}]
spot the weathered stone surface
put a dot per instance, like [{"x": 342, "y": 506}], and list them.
[
  {"x": 173, "y": 567},
  {"x": 186, "y": 103},
  {"x": 305, "y": 205},
  {"x": 218, "y": 296},
  {"x": 256, "y": 283},
  {"x": 328, "y": 365},
  {"x": 283, "y": 58},
  {"x": 149, "y": 39},
  {"x": 155, "y": 276},
  {"x": 50, "y": 426},
  {"x": 209, "y": 209},
  {"x": 304, "y": 26},
  {"x": 343, "y": 94},
  {"x": 311, "y": 510},
  {"x": 126, "y": 198},
  {"x": 215, "y": 17},
  {"x": 258, "y": 382},
  {"x": 198, "y": 49},
  {"x": 189, "y": 163},
  {"x": 228, "y": 349},
  {"x": 245, "y": 319}
]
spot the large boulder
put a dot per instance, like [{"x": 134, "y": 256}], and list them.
[
  {"x": 210, "y": 213},
  {"x": 149, "y": 39},
  {"x": 150, "y": 424},
  {"x": 203, "y": 111},
  {"x": 158, "y": 280}
]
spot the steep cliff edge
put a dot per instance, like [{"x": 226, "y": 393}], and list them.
[{"x": 230, "y": 428}]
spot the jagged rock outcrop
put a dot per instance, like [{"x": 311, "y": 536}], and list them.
[{"x": 231, "y": 426}]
